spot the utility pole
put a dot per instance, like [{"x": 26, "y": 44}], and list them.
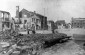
[
  {"x": 44, "y": 11},
  {"x": 44, "y": 18}
]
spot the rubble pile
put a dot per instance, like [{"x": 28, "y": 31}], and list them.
[
  {"x": 32, "y": 44},
  {"x": 11, "y": 44}
]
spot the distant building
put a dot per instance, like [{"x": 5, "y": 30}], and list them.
[
  {"x": 60, "y": 24},
  {"x": 78, "y": 23},
  {"x": 4, "y": 20},
  {"x": 68, "y": 25},
  {"x": 51, "y": 25}
]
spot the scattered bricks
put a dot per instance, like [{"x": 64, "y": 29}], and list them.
[
  {"x": 31, "y": 43},
  {"x": 15, "y": 53}
]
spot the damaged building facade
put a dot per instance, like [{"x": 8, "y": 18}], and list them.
[
  {"x": 31, "y": 20},
  {"x": 4, "y": 20},
  {"x": 78, "y": 23}
]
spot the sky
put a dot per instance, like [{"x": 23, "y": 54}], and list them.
[{"x": 53, "y": 9}]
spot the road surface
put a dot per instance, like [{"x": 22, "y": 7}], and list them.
[{"x": 67, "y": 48}]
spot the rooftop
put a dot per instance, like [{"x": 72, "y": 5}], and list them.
[
  {"x": 4, "y": 12},
  {"x": 32, "y": 12},
  {"x": 78, "y": 18}
]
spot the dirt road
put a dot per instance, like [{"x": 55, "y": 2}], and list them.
[{"x": 68, "y": 48}]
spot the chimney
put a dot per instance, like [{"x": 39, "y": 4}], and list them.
[
  {"x": 34, "y": 11},
  {"x": 17, "y": 11}
]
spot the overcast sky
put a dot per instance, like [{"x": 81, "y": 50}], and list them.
[{"x": 54, "y": 9}]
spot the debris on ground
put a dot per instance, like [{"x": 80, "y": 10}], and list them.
[
  {"x": 11, "y": 43},
  {"x": 69, "y": 48}
]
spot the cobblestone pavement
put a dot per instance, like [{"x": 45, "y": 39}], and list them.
[{"x": 68, "y": 48}]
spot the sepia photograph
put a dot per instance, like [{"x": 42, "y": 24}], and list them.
[{"x": 42, "y": 27}]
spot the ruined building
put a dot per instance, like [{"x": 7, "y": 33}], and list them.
[
  {"x": 4, "y": 20},
  {"x": 31, "y": 20}
]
